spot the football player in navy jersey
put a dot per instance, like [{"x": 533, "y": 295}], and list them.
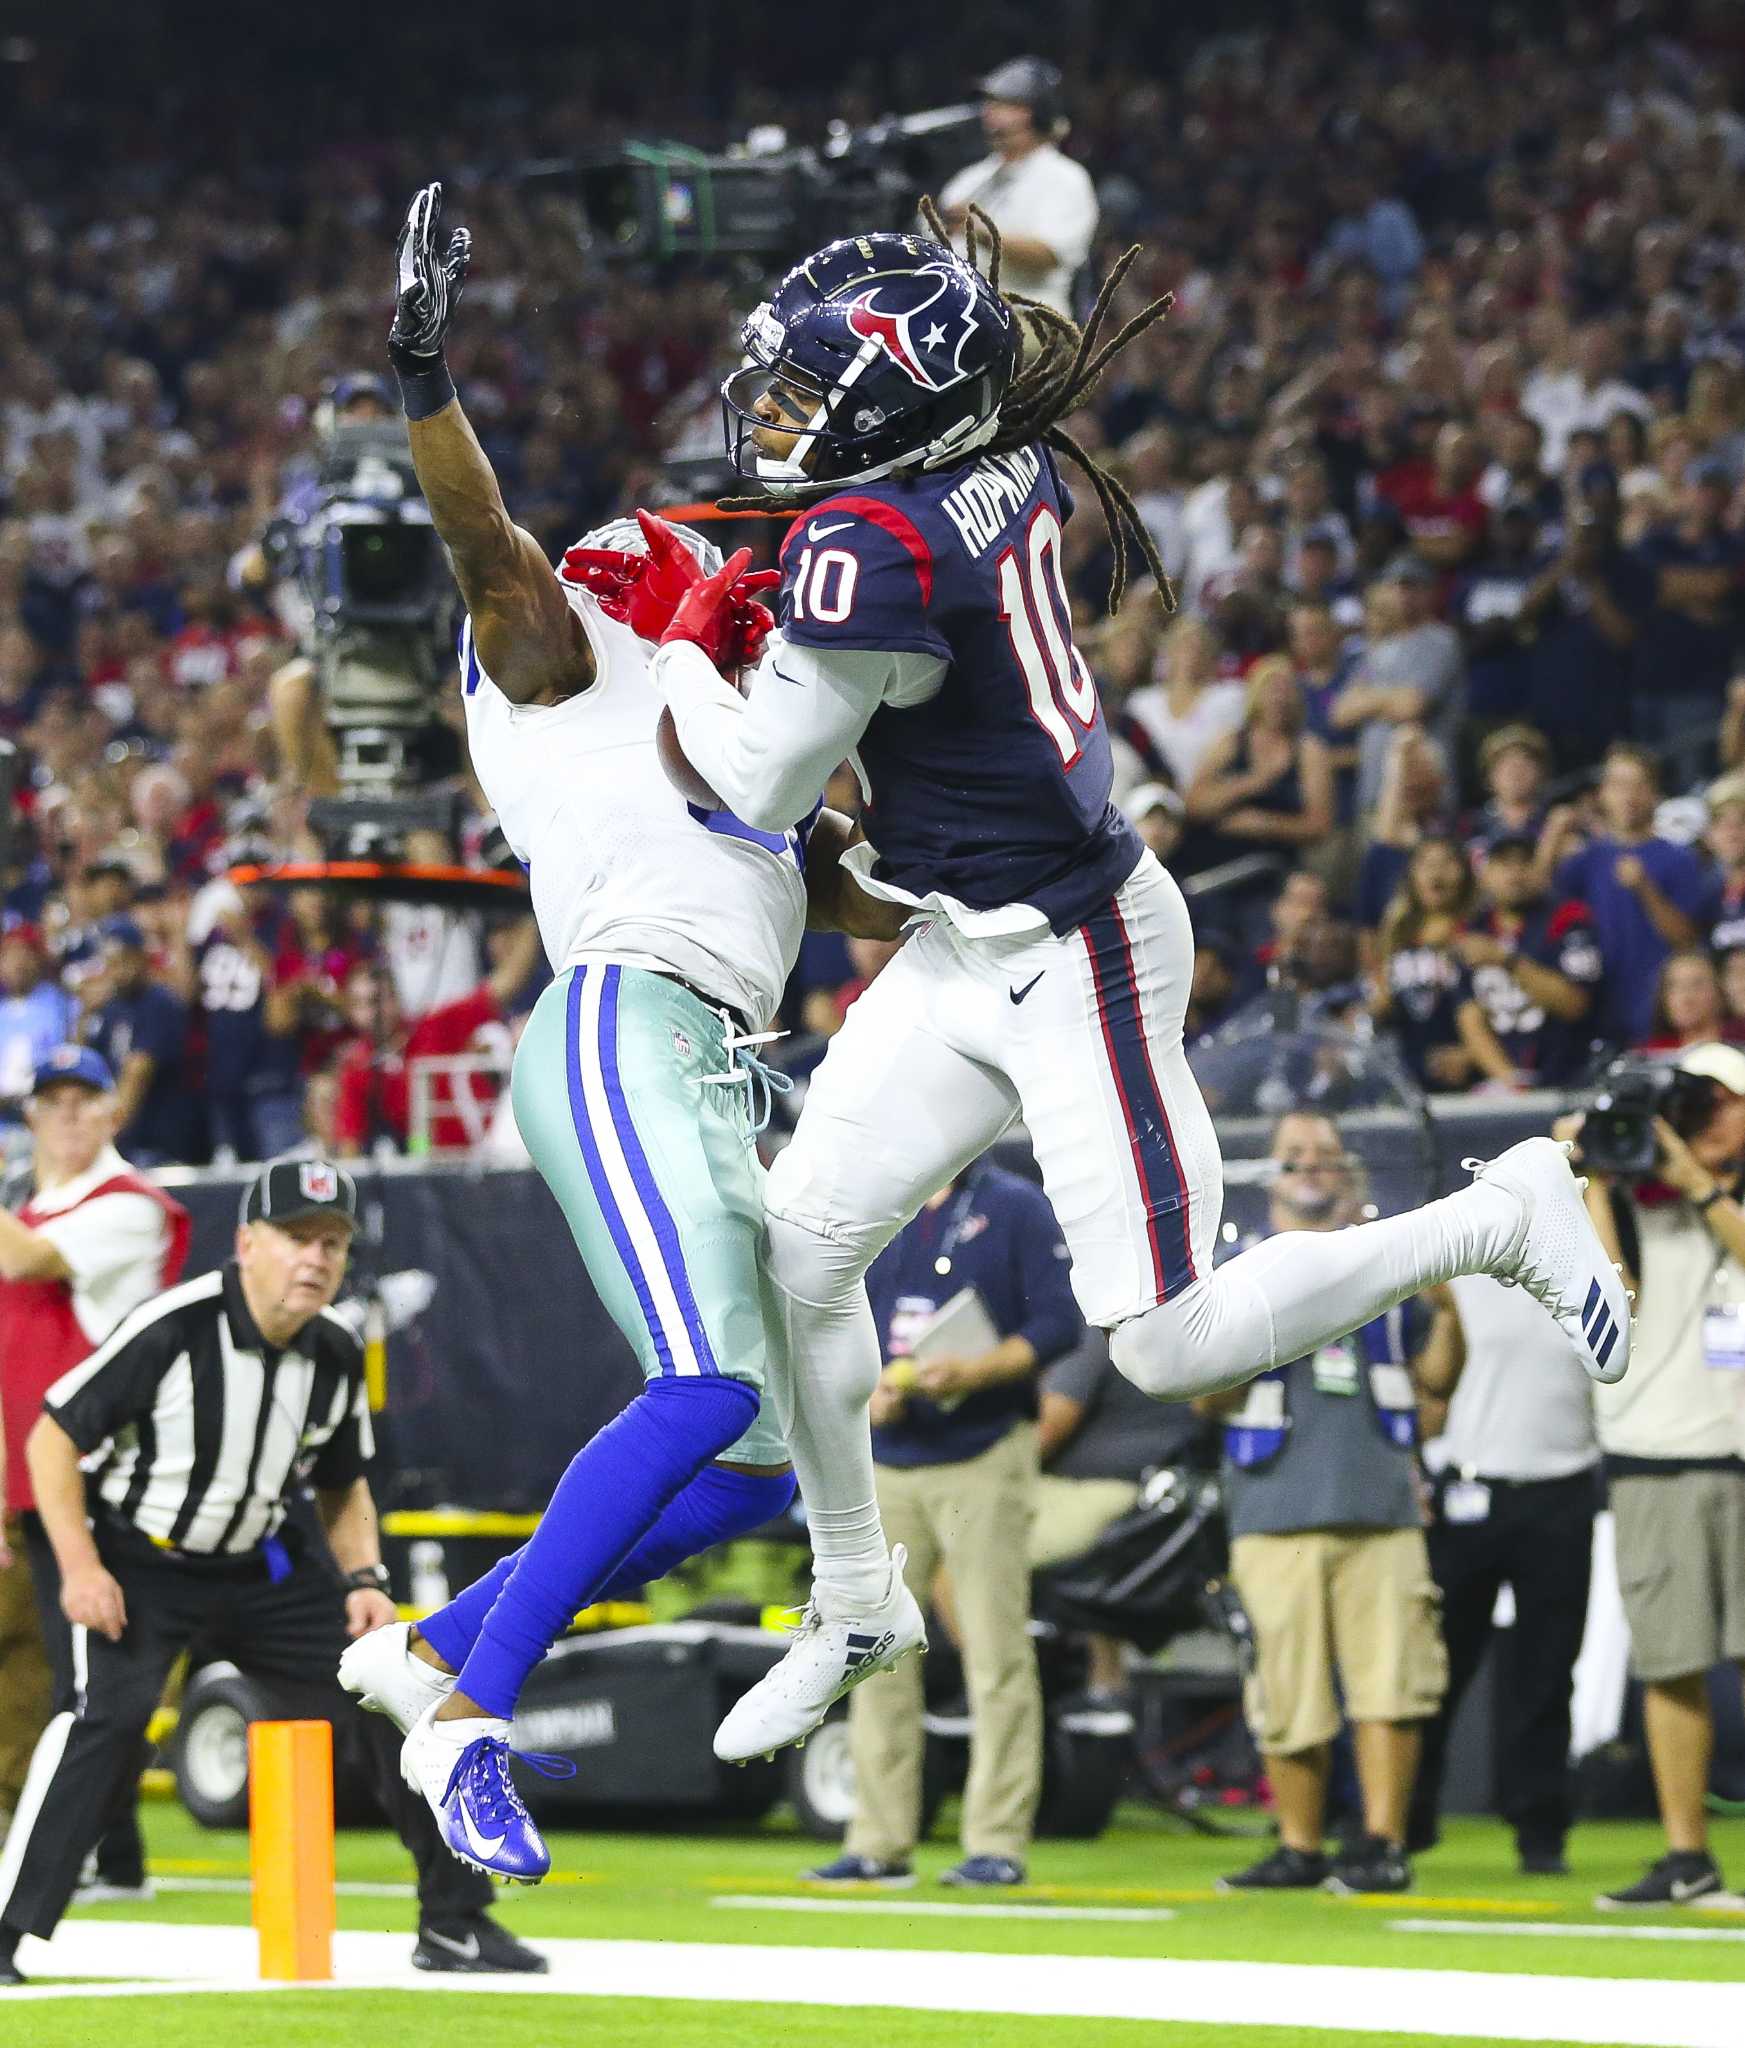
[{"x": 925, "y": 633}]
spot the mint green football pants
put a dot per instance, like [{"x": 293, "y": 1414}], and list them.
[{"x": 656, "y": 1170}]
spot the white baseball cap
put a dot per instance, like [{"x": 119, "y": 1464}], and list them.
[{"x": 1716, "y": 1062}]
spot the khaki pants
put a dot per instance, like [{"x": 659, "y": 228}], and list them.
[
  {"x": 975, "y": 1519},
  {"x": 26, "y": 1688}
]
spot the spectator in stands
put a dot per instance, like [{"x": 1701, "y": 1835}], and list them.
[
  {"x": 1514, "y": 762},
  {"x": 1193, "y": 707},
  {"x": 141, "y": 1030},
  {"x": 1267, "y": 786},
  {"x": 1670, "y": 1433},
  {"x": 1098, "y": 1437},
  {"x": 1685, "y": 650},
  {"x": 1409, "y": 674},
  {"x": 1647, "y": 895},
  {"x": 1533, "y": 964},
  {"x": 1486, "y": 606},
  {"x": 1724, "y": 841},
  {"x": 1514, "y": 1505},
  {"x": 1328, "y": 1552},
  {"x": 1423, "y": 991},
  {"x": 1416, "y": 803},
  {"x": 1581, "y": 617},
  {"x": 1689, "y": 1008},
  {"x": 253, "y": 1094},
  {"x": 955, "y": 1439},
  {"x": 1159, "y": 816},
  {"x": 1302, "y": 901},
  {"x": 1446, "y": 521},
  {"x": 36, "y": 1014},
  {"x": 375, "y": 1075}
]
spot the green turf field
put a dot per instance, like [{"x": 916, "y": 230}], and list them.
[
  {"x": 735, "y": 1889},
  {"x": 306, "y": 2019}
]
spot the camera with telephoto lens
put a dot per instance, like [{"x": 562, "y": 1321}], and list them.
[
  {"x": 380, "y": 601},
  {"x": 1617, "y": 1133}
]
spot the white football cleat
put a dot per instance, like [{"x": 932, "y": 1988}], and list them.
[
  {"x": 381, "y": 1673},
  {"x": 825, "y": 1659},
  {"x": 1557, "y": 1256}
]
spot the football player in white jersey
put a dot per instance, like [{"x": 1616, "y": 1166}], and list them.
[{"x": 671, "y": 928}]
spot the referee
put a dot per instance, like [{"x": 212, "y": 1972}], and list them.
[{"x": 202, "y": 1414}]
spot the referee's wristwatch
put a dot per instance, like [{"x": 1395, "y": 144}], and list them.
[{"x": 368, "y": 1578}]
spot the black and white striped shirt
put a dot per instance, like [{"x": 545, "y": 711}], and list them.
[{"x": 202, "y": 1429}]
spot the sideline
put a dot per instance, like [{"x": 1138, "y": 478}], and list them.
[{"x": 1348, "y": 2002}]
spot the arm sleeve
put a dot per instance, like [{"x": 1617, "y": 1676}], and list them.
[
  {"x": 1052, "y": 1322},
  {"x": 100, "y": 1237},
  {"x": 857, "y": 583},
  {"x": 768, "y": 755},
  {"x": 118, "y": 1382}
]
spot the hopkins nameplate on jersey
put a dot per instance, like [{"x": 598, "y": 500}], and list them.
[{"x": 988, "y": 498}]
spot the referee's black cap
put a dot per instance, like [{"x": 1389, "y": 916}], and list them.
[{"x": 292, "y": 1188}]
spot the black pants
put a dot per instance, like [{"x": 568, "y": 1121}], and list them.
[
  {"x": 1537, "y": 1539},
  {"x": 288, "y": 1635},
  {"x": 120, "y": 1849}
]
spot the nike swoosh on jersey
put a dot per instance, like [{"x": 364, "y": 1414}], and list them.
[
  {"x": 816, "y": 532},
  {"x": 786, "y": 678},
  {"x": 1018, "y": 994},
  {"x": 481, "y": 1845},
  {"x": 467, "y": 1950}
]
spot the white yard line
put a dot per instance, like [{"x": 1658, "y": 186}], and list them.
[
  {"x": 947, "y": 1910},
  {"x": 240, "y": 1887},
  {"x": 1348, "y": 2003},
  {"x": 1627, "y": 1930}
]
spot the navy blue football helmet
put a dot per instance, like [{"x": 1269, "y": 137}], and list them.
[{"x": 887, "y": 352}]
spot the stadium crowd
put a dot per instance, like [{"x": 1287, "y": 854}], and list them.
[{"x": 1443, "y": 445}]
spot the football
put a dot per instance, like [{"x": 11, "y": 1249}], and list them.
[{"x": 679, "y": 772}]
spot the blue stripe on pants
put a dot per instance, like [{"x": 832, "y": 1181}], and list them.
[
  {"x": 654, "y": 1206},
  {"x": 1162, "y": 1187},
  {"x": 597, "y": 1170}
]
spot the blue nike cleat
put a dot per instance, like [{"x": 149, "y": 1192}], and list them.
[{"x": 465, "y": 1777}]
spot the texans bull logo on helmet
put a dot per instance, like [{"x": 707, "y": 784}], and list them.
[{"x": 899, "y": 331}]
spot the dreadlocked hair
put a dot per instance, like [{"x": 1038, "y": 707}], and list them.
[{"x": 1064, "y": 366}]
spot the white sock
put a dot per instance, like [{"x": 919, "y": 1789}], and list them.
[
  {"x": 831, "y": 1369},
  {"x": 1286, "y": 1297}
]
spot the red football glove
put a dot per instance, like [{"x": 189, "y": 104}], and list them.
[
  {"x": 750, "y": 623},
  {"x": 706, "y": 615},
  {"x": 738, "y": 625},
  {"x": 612, "y": 574}
]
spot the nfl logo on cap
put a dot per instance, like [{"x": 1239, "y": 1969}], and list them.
[{"x": 289, "y": 1188}]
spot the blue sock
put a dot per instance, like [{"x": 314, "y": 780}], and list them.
[
  {"x": 717, "y": 1506},
  {"x": 614, "y": 1492}
]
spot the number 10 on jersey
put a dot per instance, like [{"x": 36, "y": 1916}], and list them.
[{"x": 1038, "y": 619}]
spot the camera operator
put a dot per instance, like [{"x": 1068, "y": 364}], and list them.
[
  {"x": 361, "y": 585},
  {"x": 1671, "y": 1433},
  {"x": 1042, "y": 202}
]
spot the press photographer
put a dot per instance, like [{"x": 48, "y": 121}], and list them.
[{"x": 1664, "y": 1151}]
